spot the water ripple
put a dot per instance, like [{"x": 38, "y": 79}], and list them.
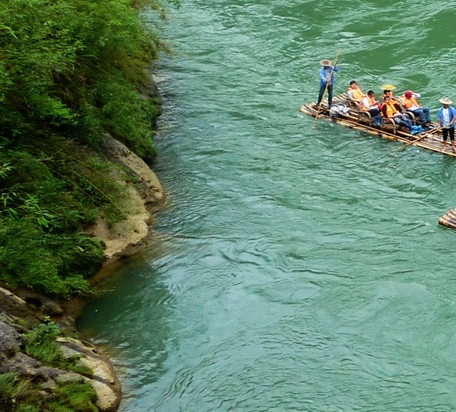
[{"x": 300, "y": 265}]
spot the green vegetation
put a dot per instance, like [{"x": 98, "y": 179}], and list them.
[
  {"x": 70, "y": 70},
  {"x": 12, "y": 388},
  {"x": 41, "y": 344},
  {"x": 22, "y": 394}
]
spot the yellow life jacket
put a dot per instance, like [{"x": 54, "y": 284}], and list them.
[
  {"x": 371, "y": 101},
  {"x": 356, "y": 93}
]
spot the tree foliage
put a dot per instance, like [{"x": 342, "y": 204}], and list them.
[
  {"x": 70, "y": 70},
  {"x": 76, "y": 65}
]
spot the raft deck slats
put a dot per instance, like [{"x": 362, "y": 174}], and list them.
[
  {"x": 449, "y": 219},
  {"x": 428, "y": 140}
]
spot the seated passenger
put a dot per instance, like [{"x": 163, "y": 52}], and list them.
[
  {"x": 392, "y": 110},
  {"x": 410, "y": 103},
  {"x": 387, "y": 90},
  {"x": 387, "y": 87},
  {"x": 370, "y": 104},
  {"x": 354, "y": 93},
  {"x": 389, "y": 93}
]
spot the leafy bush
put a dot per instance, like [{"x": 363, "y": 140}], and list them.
[
  {"x": 41, "y": 244},
  {"x": 70, "y": 71},
  {"x": 76, "y": 65}
]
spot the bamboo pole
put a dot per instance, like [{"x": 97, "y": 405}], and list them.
[{"x": 420, "y": 137}]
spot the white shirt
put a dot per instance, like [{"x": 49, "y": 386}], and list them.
[
  {"x": 446, "y": 116},
  {"x": 365, "y": 103}
]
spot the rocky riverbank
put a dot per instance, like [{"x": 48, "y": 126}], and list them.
[{"x": 22, "y": 312}]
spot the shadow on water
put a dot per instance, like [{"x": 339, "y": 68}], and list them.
[{"x": 133, "y": 306}]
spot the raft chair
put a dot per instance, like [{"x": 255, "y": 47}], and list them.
[
  {"x": 387, "y": 123},
  {"x": 365, "y": 117},
  {"x": 412, "y": 117},
  {"x": 361, "y": 115}
]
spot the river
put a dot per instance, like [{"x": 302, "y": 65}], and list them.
[{"x": 298, "y": 266}]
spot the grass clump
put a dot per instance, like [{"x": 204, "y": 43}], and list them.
[
  {"x": 41, "y": 344},
  {"x": 18, "y": 394},
  {"x": 74, "y": 396}
]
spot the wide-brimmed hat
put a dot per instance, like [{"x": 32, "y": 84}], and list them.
[
  {"x": 388, "y": 87},
  {"x": 325, "y": 62},
  {"x": 445, "y": 100}
]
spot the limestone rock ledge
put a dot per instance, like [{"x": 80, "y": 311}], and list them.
[
  {"x": 18, "y": 316},
  {"x": 146, "y": 196}
]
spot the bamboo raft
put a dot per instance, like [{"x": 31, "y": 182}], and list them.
[
  {"x": 449, "y": 219},
  {"x": 428, "y": 140}
]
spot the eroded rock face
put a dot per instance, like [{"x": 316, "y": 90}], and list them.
[
  {"x": 13, "y": 306},
  {"x": 10, "y": 340},
  {"x": 18, "y": 317},
  {"x": 149, "y": 186},
  {"x": 104, "y": 382},
  {"x": 145, "y": 197}
]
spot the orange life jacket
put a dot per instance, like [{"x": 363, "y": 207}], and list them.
[
  {"x": 390, "y": 109},
  {"x": 410, "y": 102}
]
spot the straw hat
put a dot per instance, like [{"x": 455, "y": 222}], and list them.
[
  {"x": 325, "y": 62},
  {"x": 388, "y": 87},
  {"x": 445, "y": 100}
]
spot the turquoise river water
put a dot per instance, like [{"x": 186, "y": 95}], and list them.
[{"x": 297, "y": 266}]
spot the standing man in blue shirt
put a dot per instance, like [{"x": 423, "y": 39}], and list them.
[
  {"x": 447, "y": 117},
  {"x": 326, "y": 81}
]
